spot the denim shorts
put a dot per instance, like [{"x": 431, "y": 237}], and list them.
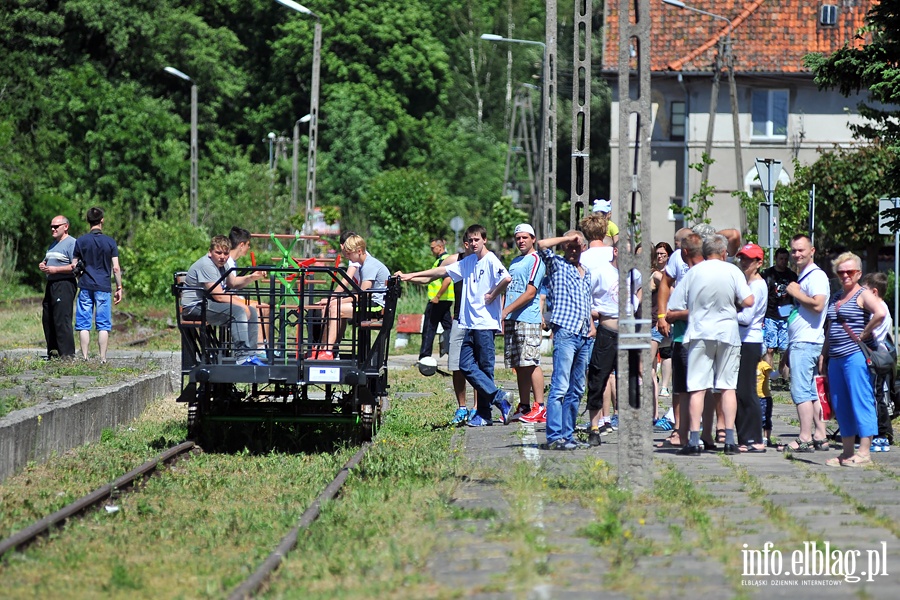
[
  {"x": 87, "y": 301},
  {"x": 804, "y": 360}
]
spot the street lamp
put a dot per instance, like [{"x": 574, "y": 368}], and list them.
[
  {"x": 313, "y": 113},
  {"x": 729, "y": 62},
  {"x": 547, "y": 134},
  {"x": 295, "y": 169},
  {"x": 193, "y": 204}
]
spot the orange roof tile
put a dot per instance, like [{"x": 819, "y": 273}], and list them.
[{"x": 768, "y": 36}]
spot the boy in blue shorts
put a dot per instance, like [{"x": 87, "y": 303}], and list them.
[{"x": 100, "y": 256}]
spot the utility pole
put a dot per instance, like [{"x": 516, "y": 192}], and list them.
[
  {"x": 581, "y": 113},
  {"x": 547, "y": 220}
]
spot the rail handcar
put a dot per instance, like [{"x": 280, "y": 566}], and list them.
[{"x": 292, "y": 385}]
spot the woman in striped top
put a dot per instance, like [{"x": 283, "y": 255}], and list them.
[{"x": 853, "y": 309}]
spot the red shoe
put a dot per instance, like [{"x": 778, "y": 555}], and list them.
[
  {"x": 521, "y": 411},
  {"x": 322, "y": 355},
  {"x": 537, "y": 415}
]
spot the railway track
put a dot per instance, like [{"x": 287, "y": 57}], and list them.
[
  {"x": 125, "y": 482},
  {"x": 258, "y": 578}
]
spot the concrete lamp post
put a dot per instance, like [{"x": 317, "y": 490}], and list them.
[
  {"x": 193, "y": 204},
  {"x": 546, "y": 133},
  {"x": 313, "y": 113}
]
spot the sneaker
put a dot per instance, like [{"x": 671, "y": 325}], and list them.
[
  {"x": 664, "y": 392},
  {"x": 501, "y": 401},
  {"x": 253, "y": 361},
  {"x": 605, "y": 429},
  {"x": 521, "y": 411},
  {"x": 535, "y": 415},
  {"x": 663, "y": 424},
  {"x": 880, "y": 444},
  {"x": 614, "y": 423},
  {"x": 559, "y": 444},
  {"x": 594, "y": 438},
  {"x": 574, "y": 444},
  {"x": 472, "y": 413},
  {"x": 479, "y": 421},
  {"x": 583, "y": 426},
  {"x": 461, "y": 416}
]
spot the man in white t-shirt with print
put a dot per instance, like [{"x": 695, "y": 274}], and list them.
[
  {"x": 712, "y": 288},
  {"x": 806, "y": 335},
  {"x": 484, "y": 279}
]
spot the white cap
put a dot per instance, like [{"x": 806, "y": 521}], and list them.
[
  {"x": 601, "y": 205},
  {"x": 525, "y": 227}
]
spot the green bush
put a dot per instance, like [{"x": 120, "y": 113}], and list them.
[{"x": 159, "y": 249}]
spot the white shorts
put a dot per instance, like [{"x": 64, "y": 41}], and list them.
[{"x": 712, "y": 363}]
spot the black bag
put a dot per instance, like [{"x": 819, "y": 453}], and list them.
[
  {"x": 78, "y": 269},
  {"x": 880, "y": 360}
]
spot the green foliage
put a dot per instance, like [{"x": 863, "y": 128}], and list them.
[
  {"x": 404, "y": 209},
  {"x": 695, "y": 211},
  {"x": 505, "y": 217},
  {"x": 165, "y": 247}
]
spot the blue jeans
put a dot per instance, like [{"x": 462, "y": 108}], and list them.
[
  {"x": 571, "y": 353},
  {"x": 476, "y": 361}
]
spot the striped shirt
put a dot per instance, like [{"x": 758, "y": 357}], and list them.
[
  {"x": 570, "y": 294},
  {"x": 839, "y": 342}
]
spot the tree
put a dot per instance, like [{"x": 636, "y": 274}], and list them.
[{"x": 871, "y": 66}]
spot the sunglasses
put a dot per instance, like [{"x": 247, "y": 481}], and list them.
[
  {"x": 848, "y": 273},
  {"x": 55, "y": 227}
]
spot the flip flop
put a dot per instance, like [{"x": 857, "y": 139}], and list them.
[{"x": 752, "y": 450}]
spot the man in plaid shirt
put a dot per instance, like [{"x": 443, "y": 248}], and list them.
[{"x": 573, "y": 333}]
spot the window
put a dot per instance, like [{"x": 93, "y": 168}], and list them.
[
  {"x": 770, "y": 114},
  {"x": 677, "y": 121},
  {"x": 828, "y": 15}
]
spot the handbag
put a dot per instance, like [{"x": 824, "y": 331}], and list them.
[
  {"x": 879, "y": 360},
  {"x": 824, "y": 400}
]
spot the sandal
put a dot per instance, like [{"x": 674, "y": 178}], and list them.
[
  {"x": 672, "y": 441},
  {"x": 835, "y": 461},
  {"x": 821, "y": 444},
  {"x": 799, "y": 447},
  {"x": 720, "y": 436},
  {"x": 752, "y": 449},
  {"x": 856, "y": 461}
]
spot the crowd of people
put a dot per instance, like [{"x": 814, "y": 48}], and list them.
[{"x": 723, "y": 327}]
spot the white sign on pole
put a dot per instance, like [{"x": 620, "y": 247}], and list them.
[
  {"x": 883, "y": 205},
  {"x": 769, "y": 170}
]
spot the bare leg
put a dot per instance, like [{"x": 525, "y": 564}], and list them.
[
  {"x": 459, "y": 388},
  {"x": 708, "y": 409},
  {"x": 697, "y": 408},
  {"x": 103, "y": 342},
  {"x": 84, "y": 338},
  {"x": 806, "y": 413},
  {"x": 665, "y": 373},
  {"x": 524, "y": 376},
  {"x": 537, "y": 385}
]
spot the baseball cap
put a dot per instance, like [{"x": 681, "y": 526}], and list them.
[
  {"x": 526, "y": 228},
  {"x": 751, "y": 251},
  {"x": 601, "y": 205}
]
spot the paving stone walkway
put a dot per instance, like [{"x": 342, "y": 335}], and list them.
[{"x": 758, "y": 499}]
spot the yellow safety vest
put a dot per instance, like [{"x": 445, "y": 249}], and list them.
[{"x": 435, "y": 285}]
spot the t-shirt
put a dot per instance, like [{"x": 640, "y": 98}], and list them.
[
  {"x": 676, "y": 268},
  {"x": 881, "y": 332},
  {"x": 525, "y": 270},
  {"x": 479, "y": 277},
  {"x": 678, "y": 301},
  {"x": 96, "y": 250},
  {"x": 374, "y": 270},
  {"x": 203, "y": 272},
  {"x": 805, "y": 324},
  {"x": 605, "y": 290},
  {"x": 750, "y": 320},
  {"x": 763, "y": 390},
  {"x": 595, "y": 256},
  {"x": 777, "y": 282},
  {"x": 612, "y": 230},
  {"x": 712, "y": 288},
  {"x": 60, "y": 254}
]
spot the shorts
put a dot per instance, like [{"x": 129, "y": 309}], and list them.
[
  {"x": 712, "y": 363},
  {"x": 804, "y": 362},
  {"x": 457, "y": 334},
  {"x": 775, "y": 334},
  {"x": 663, "y": 341},
  {"x": 87, "y": 302},
  {"x": 522, "y": 345}
]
